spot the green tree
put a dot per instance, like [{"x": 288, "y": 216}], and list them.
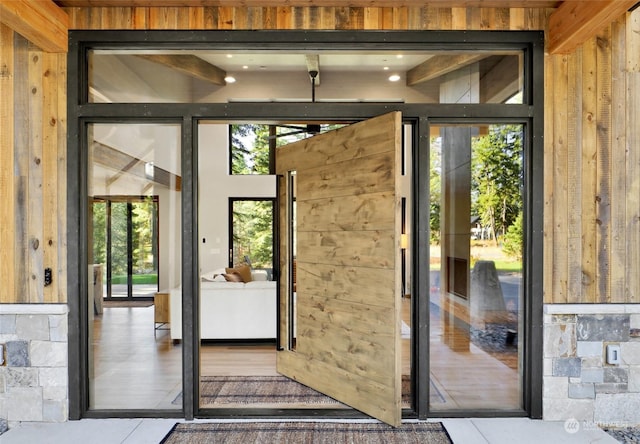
[
  {"x": 497, "y": 177},
  {"x": 142, "y": 218},
  {"x": 513, "y": 240},
  {"x": 435, "y": 190},
  {"x": 118, "y": 238},
  {"x": 249, "y": 149},
  {"x": 99, "y": 233},
  {"x": 253, "y": 232}
]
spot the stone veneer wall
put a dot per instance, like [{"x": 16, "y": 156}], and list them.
[
  {"x": 34, "y": 376},
  {"x": 578, "y": 382}
]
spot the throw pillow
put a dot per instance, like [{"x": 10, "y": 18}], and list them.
[
  {"x": 232, "y": 277},
  {"x": 243, "y": 270}
]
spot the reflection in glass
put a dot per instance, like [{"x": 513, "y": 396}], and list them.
[
  {"x": 128, "y": 76},
  {"x": 476, "y": 267},
  {"x": 134, "y": 188}
]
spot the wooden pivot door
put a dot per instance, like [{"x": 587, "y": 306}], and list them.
[{"x": 340, "y": 227}]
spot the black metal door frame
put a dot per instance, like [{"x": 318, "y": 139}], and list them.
[{"x": 81, "y": 113}]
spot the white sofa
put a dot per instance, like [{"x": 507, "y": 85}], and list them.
[{"x": 230, "y": 310}]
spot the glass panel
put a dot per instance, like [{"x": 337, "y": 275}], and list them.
[
  {"x": 476, "y": 267},
  {"x": 134, "y": 242},
  {"x": 252, "y": 233},
  {"x": 252, "y": 145},
  {"x": 237, "y": 307},
  {"x": 405, "y": 257},
  {"x": 144, "y": 247},
  {"x": 127, "y": 76},
  {"x": 118, "y": 271}
]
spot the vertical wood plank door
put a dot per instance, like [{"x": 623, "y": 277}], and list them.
[{"x": 346, "y": 337}]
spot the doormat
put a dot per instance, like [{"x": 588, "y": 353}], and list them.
[
  {"x": 276, "y": 391},
  {"x": 307, "y": 432}
]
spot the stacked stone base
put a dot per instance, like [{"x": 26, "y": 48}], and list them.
[
  {"x": 34, "y": 377},
  {"x": 579, "y": 385}
]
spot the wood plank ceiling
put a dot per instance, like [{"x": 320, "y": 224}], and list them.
[{"x": 571, "y": 24}]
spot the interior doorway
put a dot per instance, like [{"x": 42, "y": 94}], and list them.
[{"x": 125, "y": 247}]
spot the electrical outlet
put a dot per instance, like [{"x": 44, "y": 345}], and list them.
[{"x": 613, "y": 354}]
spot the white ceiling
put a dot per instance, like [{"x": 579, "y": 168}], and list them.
[{"x": 278, "y": 61}]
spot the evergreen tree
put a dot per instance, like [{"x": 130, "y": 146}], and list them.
[{"x": 497, "y": 177}]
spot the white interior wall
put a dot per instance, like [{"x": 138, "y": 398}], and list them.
[
  {"x": 170, "y": 245},
  {"x": 216, "y": 186}
]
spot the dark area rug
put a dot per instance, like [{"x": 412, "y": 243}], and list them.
[
  {"x": 129, "y": 303},
  {"x": 275, "y": 390},
  {"x": 307, "y": 432}
]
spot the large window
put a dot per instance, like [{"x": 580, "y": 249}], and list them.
[
  {"x": 252, "y": 232},
  {"x": 140, "y": 129},
  {"x": 134, "y": 188},
  {"x": 476, "y": 266},
  {"x": 356, "y": 75},
  {"x": 125, "y": 245},
  {"x": 251, "y": 145}
]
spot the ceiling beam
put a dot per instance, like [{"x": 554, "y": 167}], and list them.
[
  {"x": 502, "y": 81},
  {"x": 573, "y": 23},
  {"x": 40, "y": 21},
  {"x": 440, "y": 65},
  {"x": 122, "y": 163},
  {"x": 325, "y": 3},
  {"x": 190, "y": 65}
]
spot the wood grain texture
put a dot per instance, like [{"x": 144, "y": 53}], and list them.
[
  {"x": 574, "y": 175},
  {"x": 398, "y": 17},
  {"x": 345, "y": 331},
  {"x": 21, "y": 136},
  {"x": 573, "y": 23},
  {"x": 603, "y": 167},
  {"x": 34, "y": 170},
  {"x": 633, "y": 189},
  {"x": 315, "y": 3},
  {"x": 41, "y": 22},
  {"x": 588, "y": 147},
  {"x": 8, "y": 264},
  {"x": 354, "y": 212},
  {"x": 618, "y": 164},
  {"x": 549, "y": 181},
  {"x": 560, "y": 129},
  {"x": 559, "y": 264},
  {"x": 632, "y": 41}
]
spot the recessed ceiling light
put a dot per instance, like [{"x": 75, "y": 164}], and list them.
[
  {"x": 230, "y": 79},
  {"x": 245, "y": 67},
  {"x": 386, "y": 68},
  {"x": 229, "y": 56},
  {"x": 399, "y": 56},
  {"x": 394, "y": 77}
]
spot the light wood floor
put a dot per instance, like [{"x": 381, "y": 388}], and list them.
[{"x": 135, "y": 367}]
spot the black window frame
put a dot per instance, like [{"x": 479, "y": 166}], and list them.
[
  {"x": 274, "y": 204},
  {"x": 81, "y": 113}
]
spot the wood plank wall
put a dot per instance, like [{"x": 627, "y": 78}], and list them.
[
  {"x": 592, "y": 165},
  {"x": 32, "y": 171},
  {"x": 592, "y": 138}
]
